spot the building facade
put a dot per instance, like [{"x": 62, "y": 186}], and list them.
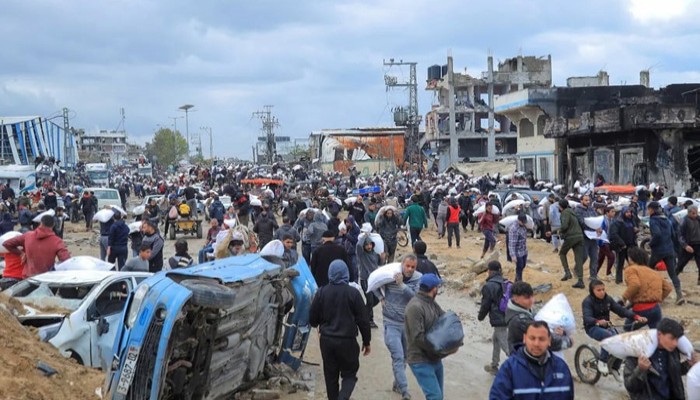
[
  {"x": 102, "y": 146},
  {"x": 23, "y": 139}
]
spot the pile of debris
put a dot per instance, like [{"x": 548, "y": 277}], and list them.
[{"x": 33, "y": 370}]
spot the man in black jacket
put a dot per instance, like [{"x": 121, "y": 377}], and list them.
[
  {"x": 424, "y": 266},
  {"x": 623, "y": 235},
  {"x": 338, "y": 310},
  {"x": 324, "y": 255},
  {"x": 666, "y": 382},
  {"x": 357, "y": 210},
  {"x": 265, "y": 228},
  {"x": 491, "y": 294}
]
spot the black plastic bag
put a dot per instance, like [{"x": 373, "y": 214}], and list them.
[{"x": 446, "y": 335}]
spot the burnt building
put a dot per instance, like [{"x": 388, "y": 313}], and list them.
[{"x": 627, "y": 134}]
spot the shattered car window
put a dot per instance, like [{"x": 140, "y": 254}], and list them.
[{"x": 47, "y": 296}]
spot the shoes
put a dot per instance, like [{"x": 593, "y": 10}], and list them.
[
  {"x": 579, "y": 285},
  {"x": 680, "y": 301},
  {"x": 594, "y": 277},
  {"x": 491, "y": 369},
  {"x": 555, "y": 251},
  {"x": 373, "y": 325},
  {"x": 566, "y": 277},
  {"x": 603, "y": 367},
  {"x": 616, "y": 374},
  {"x": 404, "y": 395}
]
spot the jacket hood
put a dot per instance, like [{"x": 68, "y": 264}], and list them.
[
  {"x": 513, "y": 310},
  {"x": 43, "y": 232},
  {"x": 338, "y": 273}
]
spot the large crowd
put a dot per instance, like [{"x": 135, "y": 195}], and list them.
[{"x": 336, "y": 222}]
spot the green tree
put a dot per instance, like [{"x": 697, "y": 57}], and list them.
[{"x": 168, "y": 145}]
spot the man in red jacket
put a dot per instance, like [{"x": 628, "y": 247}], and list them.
[{"x": 41, "y": 247}]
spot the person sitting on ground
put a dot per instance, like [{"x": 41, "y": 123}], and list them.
[
  {"x": 181, "y": 259},
  {"x": 665, "y": 381},
  {"x": 596, "y": 320},
  {"x": 140, "y": 262}
]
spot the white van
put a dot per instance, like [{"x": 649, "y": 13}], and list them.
[
  {"x": 21, "y": 177},
  {"x": 105, "y": 197}
]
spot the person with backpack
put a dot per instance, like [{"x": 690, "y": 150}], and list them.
[
  {"x": 217, "y": 210},
  {"x": 494, "y": 301}
]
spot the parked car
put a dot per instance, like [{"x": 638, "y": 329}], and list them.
[
  {"x": 105, "y": 197},
  {"x": 207, "y": 331},
  {"x": 83, "y": 310}
]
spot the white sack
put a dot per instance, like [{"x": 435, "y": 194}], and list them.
[
  {"x": 342, "y": 227},
  {"x": 515, "y": 203},
  {"x": 37, "y": 219},
  {"x": 274, "y": 248},
  {"x": 350, "y": 200},
  {"x": 694, "y": 382},
  {"x": 508, "y": 221},
  {"x": 482, "y": 209},
  {"x": 641, "y": 343},
  {"x": 378, "y": 242},
  {"x": 121, "y": 210},
  {"x": 383, "y": 211},
  {"x": 230, "y": 222},
  {"x": 558, "y": 314},
  {"x": 135, "y": 226},
  {"x": 103, "y": 215},
  {"x": 680, "y": 215},
  {"x": 382, "y": 276},
  {"x": 139, "y": 210},
  {"x": 5, "y": 237},
  {"x": 84, "y": 263},
  {"x": 594, "y": 222},
  {"x": 255, "y": 202}
]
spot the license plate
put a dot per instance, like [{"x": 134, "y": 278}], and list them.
[{"x": 128, "y": 370}]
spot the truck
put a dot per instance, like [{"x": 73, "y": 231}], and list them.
[
  {"x": 98, "y": 174},
  {"x": 145, "y": 170},
  {"x": 21, "y": 178}
]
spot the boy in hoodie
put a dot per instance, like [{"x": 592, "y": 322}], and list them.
[
  {"x": 367, "y": 262},
  {"x": 338, "y": 311},
  {"x": 596, "y": 319},
  {"x": 519, "y": 315},
  {"x": 491, "y": 294}
]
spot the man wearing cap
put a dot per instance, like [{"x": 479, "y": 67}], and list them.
[
  {"x": 394, "y": 297},
  {"x": 422, "y": 311},
  {"x": 517, "y": 245},
  {"x": 324, "y": 255},
  {"x": 339, "y": 311},
  {"x": 491, "y": 295}
]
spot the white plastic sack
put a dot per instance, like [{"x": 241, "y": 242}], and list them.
[
  {"x": 255, "y": 202},
  {"x": 84, "y": 263},
  {"x": 680, "y": 215},
  {"x": 573, "y": 204},
  {"x": 274, "y": 248},
  {"x": 383, "y": 210},
  {"x": 632, "y": 344},
  {"x": 5, "y": 237},
  {"x": 230, "y": 222},
  {"x": 558, "y": 314},
  {"x": 378, "y": 242},
  {"x": 135, "y": 226},
  {"x": 482, "y": 209},
  {"x": 303, "y": 212},
  {"x": 594, "y": 222},
  {"x": 382, "y": 275},
  {"x": 540, "y": 212},
  {"x": 514, "y": 203},
  {"x": 121, "y": 210},
  {"x": 350, "y": 200},
  {"x": 508, "y": 221},
  {"x": 694, "y": 382},
  {"x": 544, "y": 200},
  {"x": 103, "y": 215},
  {"x": 342, "y": 227},
  {"x": 37, "y": 219},
  {"x": 359, "y": 288},
  {"x": 366, "y": 228},
  {"x": 139, "y": 210}
]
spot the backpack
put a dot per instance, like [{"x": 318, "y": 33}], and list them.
[
  {"x": 505, "y": 287},
  {"x": 184, "y": 209}
]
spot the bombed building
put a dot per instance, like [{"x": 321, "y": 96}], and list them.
[{"x": 628, "y": 134}]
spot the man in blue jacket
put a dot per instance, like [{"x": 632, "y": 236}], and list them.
[
  {"x": 533, "y": 372},
  {"x": 663, "y": 249}
]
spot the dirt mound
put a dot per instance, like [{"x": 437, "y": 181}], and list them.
[{"x": 21, "y": 351}]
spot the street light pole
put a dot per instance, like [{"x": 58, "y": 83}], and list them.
[{"x": 186, "y": 108}]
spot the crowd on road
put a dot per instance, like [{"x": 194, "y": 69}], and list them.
[{"x": 345, "y": 227}]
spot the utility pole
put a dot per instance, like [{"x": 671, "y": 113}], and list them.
[
  {"x": 454, "y": 142},
  {"x": 491, "y": 148},
  {"x": 211, "y": 148},
  {"x": 67, "y": 148},
  {"x": 175, "y": 122},
  {"x": 186, "y": 108},
  {"x": 269, "y": 123},
  {"x": 409, "y": 118}
]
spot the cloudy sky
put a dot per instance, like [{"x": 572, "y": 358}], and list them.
[{"x": 319, "y": 62}]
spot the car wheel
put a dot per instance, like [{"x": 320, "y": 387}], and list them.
[{"x": 209, "y": 294}]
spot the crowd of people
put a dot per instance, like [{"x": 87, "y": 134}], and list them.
[{"x": 336, "y": 222}]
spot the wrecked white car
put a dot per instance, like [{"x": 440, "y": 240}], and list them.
[{"x": 78, "y": 312}]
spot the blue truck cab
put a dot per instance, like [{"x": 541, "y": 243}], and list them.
[{"x": 206, "y": 332}]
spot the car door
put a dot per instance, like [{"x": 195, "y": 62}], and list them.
[{"x": 104, "y": 317}]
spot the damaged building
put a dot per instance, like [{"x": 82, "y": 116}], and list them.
[
  {"x": 369, "y": 150},
  {"x": 474, "y": 122},
  {"x": 628, "y": 134}
]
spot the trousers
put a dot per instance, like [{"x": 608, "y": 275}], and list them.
[
  {"x": 590, "y": 248},
  {"x": 430, "y": 377},
  {"x": 577, "y": 247},
  {"x": 500, "y": 343},
  {"x": 452, "y": 228},
  {"x": 341, "y": 360},
  {"x": 395, "y": 341}
]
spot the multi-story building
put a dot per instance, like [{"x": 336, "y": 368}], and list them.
[
  {"x": 471, "y": 102},
  {"x": 102, "y": 146}
]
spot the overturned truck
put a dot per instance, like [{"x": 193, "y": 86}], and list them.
[{"x": 207, "y": 332}]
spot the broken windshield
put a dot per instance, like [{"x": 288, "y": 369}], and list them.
[{"x": 51, "y": 296}]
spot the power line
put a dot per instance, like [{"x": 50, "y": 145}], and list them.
[{"x": 269, "y": 123}]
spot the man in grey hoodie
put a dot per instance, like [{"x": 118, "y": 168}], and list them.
[
  {"x": 367, "y": 262},
  {"x": 394, "y": 297}
]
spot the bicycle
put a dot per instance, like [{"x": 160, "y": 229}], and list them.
[
  {"x": 402, "y": 237},
  {"x": 586, "y": 360}
]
